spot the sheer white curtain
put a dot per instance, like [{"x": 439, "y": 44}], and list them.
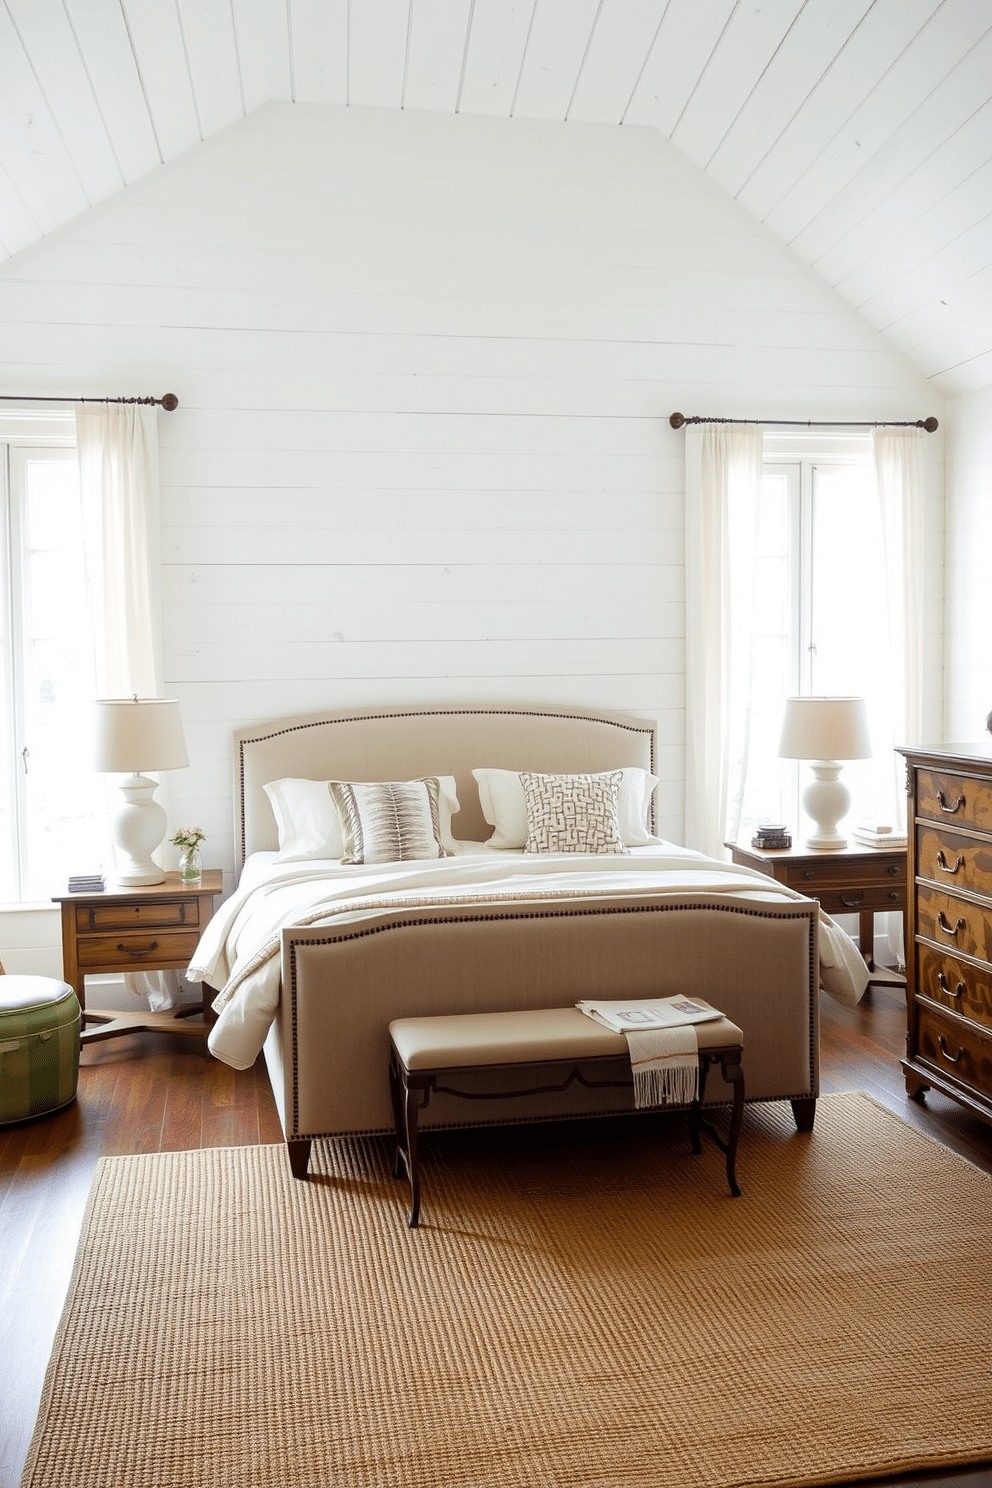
[
  {"x": 118, "y": 473},
  {"x": 119, "y": 487},
  {"x": 722, "y": 490},
  {"x": 900, "y": 481},
  {"x": 900, "y": 484}
]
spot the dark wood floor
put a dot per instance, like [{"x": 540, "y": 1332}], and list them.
[{"x": 161, "y": 1092}]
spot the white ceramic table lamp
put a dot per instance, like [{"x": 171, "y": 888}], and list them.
[
  {"x": 135, "y": 734},
  {"x": 824, "y": 731}
]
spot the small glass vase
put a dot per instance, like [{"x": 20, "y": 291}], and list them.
[{"x": 190, "y": 866}]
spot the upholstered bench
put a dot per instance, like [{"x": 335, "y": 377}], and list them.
[{"x": 425, "y": 1049}]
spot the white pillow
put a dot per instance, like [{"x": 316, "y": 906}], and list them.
[
  {"x": 504, "y": 806},
  {"x": 309, "y": 826}
]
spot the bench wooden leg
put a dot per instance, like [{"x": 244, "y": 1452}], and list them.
[{"x": 804, "y": 1111}]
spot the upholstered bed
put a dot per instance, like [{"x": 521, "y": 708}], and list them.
[{"x": 312, "y": 957}]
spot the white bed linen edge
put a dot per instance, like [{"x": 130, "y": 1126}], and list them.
[{"x": 239, "y": 950}]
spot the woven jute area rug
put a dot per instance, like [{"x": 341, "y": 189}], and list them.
[{"x": 581, "y": 1308}]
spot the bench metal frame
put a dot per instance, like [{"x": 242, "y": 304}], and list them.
[{"x": 411, "y": 1091}]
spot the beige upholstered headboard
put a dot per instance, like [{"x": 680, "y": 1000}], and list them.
[{"x": 405, "y": 742}]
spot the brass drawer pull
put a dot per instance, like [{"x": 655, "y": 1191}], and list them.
[
  {"x": 951, "y": 1058},
  {"x": 852, "y": 901},
  {"x": 944, "y": 986},
  {"x": 950, "y": 810},
  {"x": 942, "y": 862},
  {"x": 136, "y": 952},
  {"x": 947, "y": 928}
]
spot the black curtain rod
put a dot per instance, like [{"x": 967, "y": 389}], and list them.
[
  {"x": 678, "y": 419},
  {"x": 168, "y": 401}
]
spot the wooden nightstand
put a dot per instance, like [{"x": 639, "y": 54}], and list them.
[
  {"x": 152, "y": 928},
  {"x": 853, "y": 880}
]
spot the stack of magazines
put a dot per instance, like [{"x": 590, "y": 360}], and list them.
[
  {"x": 867, "y": 834},
  {"x": 649, "y": 1012}
]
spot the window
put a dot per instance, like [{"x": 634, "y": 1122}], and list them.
[
  {"x": 52, "y": 809},
  {"x": 820, "y": 626}
]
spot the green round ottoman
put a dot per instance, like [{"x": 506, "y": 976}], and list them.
[{"x": 39, "y": 1046}]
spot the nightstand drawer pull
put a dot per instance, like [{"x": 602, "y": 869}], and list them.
[
  {"x": 951, "y": 1058},
  {"x": 944, "y": 986},
  {"x": 947, "y": 927},
  {"x": 852, "y": 900},
  {"x": 137, "y": 951},
  {"x": 950, "y": 810},
  {"x": 942, "y": 862}
]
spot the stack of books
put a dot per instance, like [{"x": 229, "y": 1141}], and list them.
[
  {"x": 868, "y": 834},
  {"x": 86, "y": 883}
]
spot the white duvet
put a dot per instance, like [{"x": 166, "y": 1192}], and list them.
[{"x": 239, "y": 951}]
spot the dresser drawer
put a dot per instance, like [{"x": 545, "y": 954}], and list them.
[
  {"x": 151, "y": 914},
  {"x": 957, "y": 985},
  {"x": 954, "y": 861},
  {"x": 958, "y": 799},
  {"x": 953, "y": 924},
  {"x": 110, "y": 952},
  {"x": 850, "y": 901},
  {"x": 886, "y": 868},
  {"x": 955, "y": 1049}
]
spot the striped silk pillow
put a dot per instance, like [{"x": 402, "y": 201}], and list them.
[
  {"x": 389, "y": 821},
  {"x": 573, "y": 813}
]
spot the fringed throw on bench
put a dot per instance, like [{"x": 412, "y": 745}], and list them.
[
  {"x": 664, "y": 1050},
  {"x": 665, "y": 1065}
]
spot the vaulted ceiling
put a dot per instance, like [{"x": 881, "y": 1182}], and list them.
[{"x": 858, "y": 131}]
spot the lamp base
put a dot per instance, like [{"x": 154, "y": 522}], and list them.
[
  {"x": 827, "y": 800},
  {"x": 138, "y": 829}
]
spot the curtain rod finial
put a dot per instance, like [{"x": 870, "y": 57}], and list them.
[
  {"x": 676, "y": 420},
  {"x": 170, "y": 402},
  {"x": 930, "y": 424}
]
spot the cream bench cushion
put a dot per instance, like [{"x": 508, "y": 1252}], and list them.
[{"x": 531, "y": 1036}]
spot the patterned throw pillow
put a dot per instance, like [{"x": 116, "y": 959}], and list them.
[
  {"x": 573, "y": 813},
  {"x": 389, "y": 821}
]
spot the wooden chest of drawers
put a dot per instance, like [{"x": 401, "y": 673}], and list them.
[{"x": 949, "y": 940}]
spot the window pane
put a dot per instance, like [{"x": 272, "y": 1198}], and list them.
[
  {"x": 63, "y": 798},
  {"x": 769, "y": 782},
  {"x": 849, "y": 625}
]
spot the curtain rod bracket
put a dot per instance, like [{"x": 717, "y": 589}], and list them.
[{"x": 930, "y": 424}]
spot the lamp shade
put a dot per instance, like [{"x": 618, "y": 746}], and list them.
[
  {"x": 135, "y": 734},
  {"x": 825, "y": 728}
]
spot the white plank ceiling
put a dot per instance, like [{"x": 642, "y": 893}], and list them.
[{"x": 858, "y": 131}]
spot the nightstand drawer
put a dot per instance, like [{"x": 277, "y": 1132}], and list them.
[
  {"x": 963, "y": 988},
  {"x": 108, "y": 952},
  {"x": 954, "y": 861},
  {"x": 852, "y": 900},
  {"x": 957, "y": 799},
  {"x": 955, "y": 925},
  {"x": 164, "y": 914},
  {"x": 887, "y": 868},
  {"x": 955, "y": 1049}
]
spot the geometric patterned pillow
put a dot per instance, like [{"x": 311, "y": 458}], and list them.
[
  {"x": 389, "y": 821},
  {"x": 573, "y": 813}
]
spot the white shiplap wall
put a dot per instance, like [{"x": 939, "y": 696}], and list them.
[
  {"x": 969, "y": 543},
  {"x": 425, "y": 367}
]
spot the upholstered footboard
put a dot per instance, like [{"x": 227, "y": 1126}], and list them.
[{"x": 328, "y": 1052}]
